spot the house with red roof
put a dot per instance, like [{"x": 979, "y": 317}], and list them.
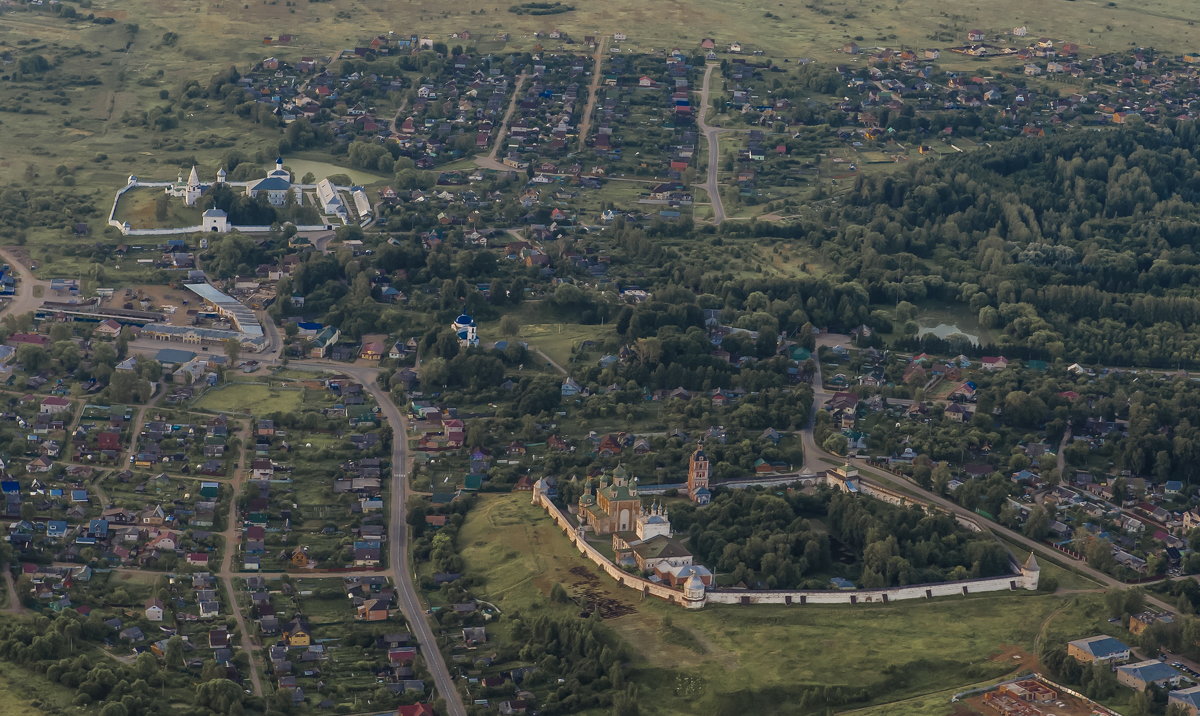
[
  {"x": 54, "y": 404},
  {"x": 32, "y": 339},
  {"x": 994, "y": 362},
  {"x": 108, "y": 328}
]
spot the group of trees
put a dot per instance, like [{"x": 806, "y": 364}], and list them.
[
  {"x": 1073, "y": 245},
  {"x": 64, "y": 650},
  {"x": 800, "y": 541},
  {"x": 584, "y": 658}
]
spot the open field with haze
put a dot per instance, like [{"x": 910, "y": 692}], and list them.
[{"x": 123, "y": 71}]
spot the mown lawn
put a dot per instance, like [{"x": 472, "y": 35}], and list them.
[
  {"x": 251, "y": 398},
  {"x": 726, "y": 655}
]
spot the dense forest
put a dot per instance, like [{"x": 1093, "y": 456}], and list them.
[
  {"x": 1079, "y": 245},
  {"x": 796, "y": 540}
]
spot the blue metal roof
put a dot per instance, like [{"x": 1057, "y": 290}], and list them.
[
  {"x": 1150, "y": 672},
  {"x": 1189, "y": 697},
  {"x": 272, "y": 184},
  {"x": 1101, "y": 647},
  {"x": 174, "y": 355}
]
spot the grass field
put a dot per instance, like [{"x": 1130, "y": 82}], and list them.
[
  {"x": 300, "y": 166},
  {"x": 555, "y": 339},
  {"x": 935, "y": 704},
  {"x": 722, "y": 655},
  {"x": 251, "y": 397},
  {"x": 137, "y": 206},
  {"x": 20, "y": 690},
  {"x": 130, "y": 69}
]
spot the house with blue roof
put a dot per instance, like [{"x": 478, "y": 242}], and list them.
[
  {"x": 1151, "y": 672},
  {"x": 1101, "y": 648},
  {"x": 1188, "y": 698},
  {"x": 56, "y": 528},
  {"x": 1172, "y": 487}
]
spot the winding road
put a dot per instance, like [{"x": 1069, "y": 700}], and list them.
[{"x": 714, "y": 152}]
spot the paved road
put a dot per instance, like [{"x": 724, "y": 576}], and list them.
[
  {"x": 401, "y": 570},
  {"x": 714, "y": 153},
  {"x": 274, "y": 343}
]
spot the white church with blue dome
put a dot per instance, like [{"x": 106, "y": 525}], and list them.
[
  {"x": 464, "y": 328},
  {"x": 276, "y": 185}
]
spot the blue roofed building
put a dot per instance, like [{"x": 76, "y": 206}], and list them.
[
  {"x": 323, "y": 341},
  {"x": 465, "y": 330},
  {"x": 1144, "y": 674},
  {"x": 173, "y": 356},
  {"x": 1188, "y": 698},
  {"x": 1099, "y": 648}
]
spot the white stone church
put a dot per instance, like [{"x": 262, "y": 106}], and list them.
[{"x": 277, "y": 186}]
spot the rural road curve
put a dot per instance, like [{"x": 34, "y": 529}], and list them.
[
  {"x": 24, "y": 301},
  {"x": 714, "y": 154}
]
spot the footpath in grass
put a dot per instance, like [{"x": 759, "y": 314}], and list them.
[
  {"x": 935, "y": 704},
  {"x": 724, "y": 655}
]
